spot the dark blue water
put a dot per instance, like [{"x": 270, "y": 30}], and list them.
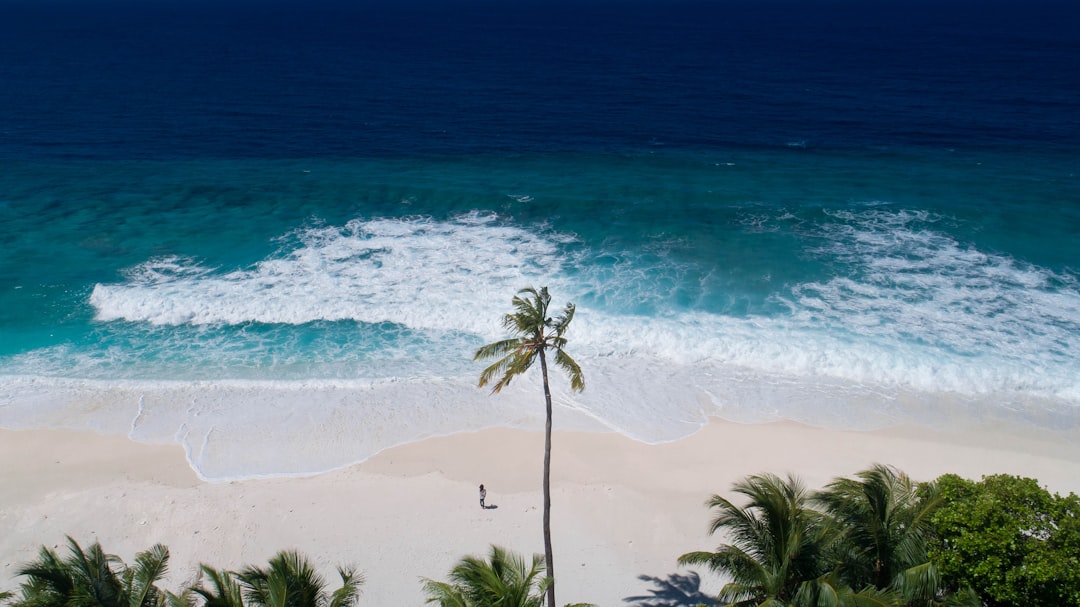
[
  {"x": 846, "y": 213},
  {"x": 172, "y": 79}
]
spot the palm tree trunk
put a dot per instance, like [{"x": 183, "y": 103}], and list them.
[{"x": 549, "y": 561}]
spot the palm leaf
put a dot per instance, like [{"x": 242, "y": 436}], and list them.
[
  {"x": 224, "y": 590},
  {"x": 567, "y": 364},
  {"x": 504, "y": 579},
  {"x": 349, "y": 593},
  {"x": 150, "y": 566}
]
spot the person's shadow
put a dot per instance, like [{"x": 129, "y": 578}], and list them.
[
  {"x": 490, "y": 506},
  {"x": 673, "y": 591}
]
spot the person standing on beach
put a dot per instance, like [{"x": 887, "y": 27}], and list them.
[{"x": 483, "y": 494}]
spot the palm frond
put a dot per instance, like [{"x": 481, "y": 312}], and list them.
[
  {"x": 97, "y": 583},
  {"x": 570, "y": 366},
  {"x": 873, "y": 597},
  {"x": 48, "y": 574},
  {"x": 349, "y": 592},
  {"x": 150, "y": 567},
  {"x": 277, "y": 592},
  {"x": 499, "y": 348},
  {"x": 919, "y": 583},
  {"x": 252, "y": 580},
  {"x": 446, "y": 595},
  {"x": 562, "y": 322},
  {"x": 776, "y": 543},
  {"x": 187, "y": 598},
  {"x": 224, "y": 589},
  {"x": 504, "y": 579},
  {"x": 506, "y": 369}
]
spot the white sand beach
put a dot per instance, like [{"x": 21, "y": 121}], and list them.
[{"x": 622, "y": 511}]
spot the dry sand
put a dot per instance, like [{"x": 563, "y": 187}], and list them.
[{"x": 622, "y": 511}]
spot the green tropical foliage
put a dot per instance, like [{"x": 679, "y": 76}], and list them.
[
  {"x": 216, "y": 588},
  {"x": 883, "y": 519},
  {"x": 775, "y": 557},
  {"x": 860, "y": 541},
  {"x": 291, "y": 581},
  {"x": 92, "y": 578},
  {"x": 504, "y": 579},
  {"x": 1010, "y": 539},
  {"x": 535, "y": 333}
]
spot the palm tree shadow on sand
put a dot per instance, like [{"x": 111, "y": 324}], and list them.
[{"x": 673, "y": 591}]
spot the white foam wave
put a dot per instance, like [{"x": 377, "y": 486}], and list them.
[
  {"x": 910, "y": 318},
  {"x": 909, "y": 283},
  {"x": 418, "y": 272},
  {"x": 910, "y": 306}
]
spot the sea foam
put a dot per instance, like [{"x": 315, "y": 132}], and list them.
[
  {"x": 911, "y": 306},
  {"x": 354, "y": 338}
]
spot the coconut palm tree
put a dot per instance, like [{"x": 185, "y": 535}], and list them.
[
  {"x": 777, "y": 554},
  {"x": 884, "y": 523},
  {"x": 503, "y": 580},
  {"x": 92, "y": 578},
  {"x": 291, "y": 581},
  {"x": 534, "y": 334}
]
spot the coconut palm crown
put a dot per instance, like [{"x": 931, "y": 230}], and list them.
[
  {"x": 884, "y": 522},
  {"x": 534, "y": 334},
  {"x": 505, "y": 579},
  {"x": 291, "y": 581},
  {"x": 775, "y": 558},
  {"x": 91, "y": 578}
]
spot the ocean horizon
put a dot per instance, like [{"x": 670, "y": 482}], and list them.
[{"x": 276, "y": 234}]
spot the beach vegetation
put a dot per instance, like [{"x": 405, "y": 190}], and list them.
[
  {"x": 503, "y": 579},
  {"x": 883, "y": 522},
  {"x": 215, "y": 588},
  {"x": 91, "y": 578},
  {"x": 776, "y": 554},
  {"x": 290, "y": 580},
  {"x": 535, "y": 333},
  {"x": 1009, "y": 538},
  {"x": 859, "y": 541}
]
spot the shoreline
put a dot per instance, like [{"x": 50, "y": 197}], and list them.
[
  {"x": 623, "y": 511},
  {"x": 232, "y": 431}
]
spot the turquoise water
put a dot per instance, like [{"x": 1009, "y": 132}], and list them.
[
  {"x": 289, "y": 270},
  {"x": 791, "y": 283}
]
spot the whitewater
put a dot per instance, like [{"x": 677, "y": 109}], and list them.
[{"x": 352, "y": 338}]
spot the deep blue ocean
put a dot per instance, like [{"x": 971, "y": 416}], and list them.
[{"x": 243, "y": 225}]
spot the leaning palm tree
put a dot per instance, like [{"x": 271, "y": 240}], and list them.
[
  {"x": 535, "y": 333},
  {"x": 291, "y": 581},
  {"x": 776, "y": 557},
  {"x": 92, "y": 578},
  {"x": 503, "y": 580}
]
